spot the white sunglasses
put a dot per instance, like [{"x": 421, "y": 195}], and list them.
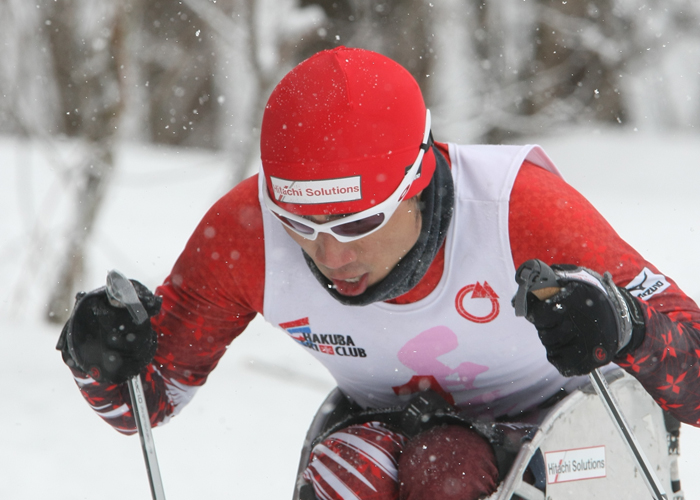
[{"x": 358, "y": 225}]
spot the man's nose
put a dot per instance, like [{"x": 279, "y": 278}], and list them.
[{"x": 333, "y": 254}]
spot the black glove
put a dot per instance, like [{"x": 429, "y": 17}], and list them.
[
  {"x": 587, "y": 323},
  {"x": 102, "y": 340}
]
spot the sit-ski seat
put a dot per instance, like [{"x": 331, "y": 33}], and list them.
[{"x": 570, "y": 450}]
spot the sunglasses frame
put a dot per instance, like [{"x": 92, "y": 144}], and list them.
[{"x": 387, "y": 207}]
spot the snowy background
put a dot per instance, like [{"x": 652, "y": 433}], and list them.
[
  {"x": 241, "y": 435},
  {"x": 195, "y": 74}
]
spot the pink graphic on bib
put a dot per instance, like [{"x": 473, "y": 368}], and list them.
[{"x": 421, "y": 354}]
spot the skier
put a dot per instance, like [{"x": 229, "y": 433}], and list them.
[{"x": 391, "y": 258}]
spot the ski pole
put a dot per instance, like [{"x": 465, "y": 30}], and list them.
[
  {"x": 541, "y": 280},
  {"x": 601, "y": 387},
  {"x": 121, "y": 290}
]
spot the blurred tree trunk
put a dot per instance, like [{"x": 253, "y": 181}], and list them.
[
  {"x": 247, "y": 95},
  {"x": 26, "y": 99},
  {"x": 179, "y": 64},
  {"x": 87, "y": 44},
  {"x": 565, "y": 39},
  {"x": 533, "y": 66},
  {"x": 398, "y": 29},
  {"x": 568, "y": 72},
  {"x": 256, "y": 42}
]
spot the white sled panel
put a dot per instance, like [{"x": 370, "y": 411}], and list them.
[{"x": 585, "y": 456}]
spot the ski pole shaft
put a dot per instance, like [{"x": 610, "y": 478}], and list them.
[
  {"x": 148, "y": 446},
  {"x": 122, "y": 292},
  {"x": 601, "y": 387}
]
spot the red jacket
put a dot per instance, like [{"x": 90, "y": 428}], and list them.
[{"x": 216, "y": 288}]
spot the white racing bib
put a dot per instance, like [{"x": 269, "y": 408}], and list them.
[{"x": 463, "y": 340}]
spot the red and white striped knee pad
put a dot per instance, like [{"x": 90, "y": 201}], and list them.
[{"x": 358, "y": 462}]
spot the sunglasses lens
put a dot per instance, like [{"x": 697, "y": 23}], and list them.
[
  {"x": 359, "y": 227},
  {"x": 297, "y": 226}
]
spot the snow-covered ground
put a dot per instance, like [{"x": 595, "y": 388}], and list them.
[{"x": 241, "y": 435}]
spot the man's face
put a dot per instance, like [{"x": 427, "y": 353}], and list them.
[{"x": 356, "y": 265}]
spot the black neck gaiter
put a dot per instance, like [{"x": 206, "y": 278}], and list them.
[{"x": 437, "y": 205}]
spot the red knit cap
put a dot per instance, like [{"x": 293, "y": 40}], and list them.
[{"x": 339, "y": 131}]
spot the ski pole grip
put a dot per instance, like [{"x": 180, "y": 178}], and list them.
[
  {"x": 537, "y": 277},
  {"x": 546, "y": 293},
  {"x": 121, "y": 292}
]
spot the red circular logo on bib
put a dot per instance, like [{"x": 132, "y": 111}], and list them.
[{"x": 476, "y": 307}]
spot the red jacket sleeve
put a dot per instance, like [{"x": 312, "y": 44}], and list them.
[
  {"x": 551, "y": 221},
  {"x": 214, "y": 290}
]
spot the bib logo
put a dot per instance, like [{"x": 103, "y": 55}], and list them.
[
  {"x": 425, "y": 355},
  {"x": 331, "y": 344},
  {"x": 476, "y": 308}
]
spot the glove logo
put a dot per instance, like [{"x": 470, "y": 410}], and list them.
[
  {"x": 600, "y": 354},
  {"x": 647, "y": 283},
  {"x": 473, "y": 310}
]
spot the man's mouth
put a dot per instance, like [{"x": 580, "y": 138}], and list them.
[{"x": 352, "y": 286}]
